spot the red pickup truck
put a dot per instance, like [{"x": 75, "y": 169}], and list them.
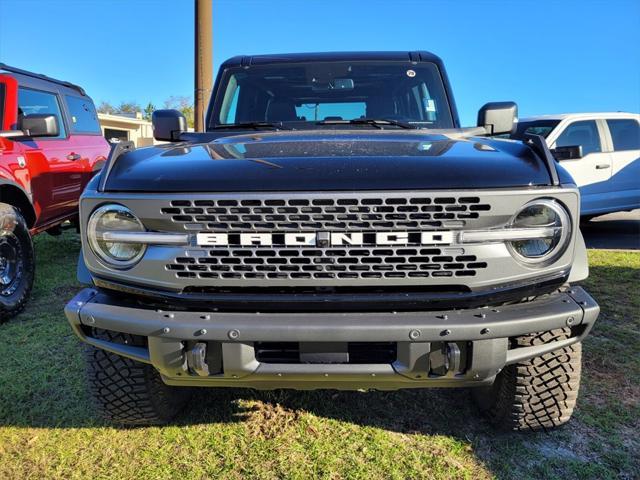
[{"x": 50, "y": 147}]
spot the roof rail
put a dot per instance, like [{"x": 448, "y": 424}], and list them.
[{"x": 7, "y": 68}]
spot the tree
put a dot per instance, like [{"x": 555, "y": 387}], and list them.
[
  {"x": 106, "y": 107},
  {"x": 183, "y": 104},
  {"x": 129, "y": 107},
  {"x": 148, "y": 111}
]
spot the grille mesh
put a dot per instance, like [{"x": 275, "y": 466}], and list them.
[
  {"x": 344, "y": 263},
  {"x": 301, "y": 215}
]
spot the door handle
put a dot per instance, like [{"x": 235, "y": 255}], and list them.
[
  {"x": 602, "y": 166},
  {"x": 73, "y": 157}
]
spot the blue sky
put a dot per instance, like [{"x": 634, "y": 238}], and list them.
[{"x": 549, "y": 56}]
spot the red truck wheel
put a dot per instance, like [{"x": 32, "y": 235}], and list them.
[{"x": 17, "y": 265}]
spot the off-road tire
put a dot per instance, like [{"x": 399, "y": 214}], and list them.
[
  {"x": 127, "y": 392},
  {"x": 538, "y": 394},
  {"x": 14, "y": 297}
]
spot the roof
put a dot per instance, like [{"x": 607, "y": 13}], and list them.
[
  {"x": 39, "y": 77},
  {"x": 562, "y": 116},
  {"x": 246, "y": 60}
]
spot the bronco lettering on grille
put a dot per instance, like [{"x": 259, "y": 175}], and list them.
[{"x": 325, "y": 239}]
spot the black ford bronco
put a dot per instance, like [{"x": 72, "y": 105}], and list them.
[{"x": 334, "y": 227}]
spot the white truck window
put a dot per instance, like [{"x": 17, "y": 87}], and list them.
[
  {"x": 584, "y": 133},
  {"x": 625, "y": 134}
]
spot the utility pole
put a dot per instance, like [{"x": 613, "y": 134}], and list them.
[{"x": 203, "y": 60}]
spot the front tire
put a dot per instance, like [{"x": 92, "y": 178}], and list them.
[
  {"x": 17, "y": 262},
  {"x": 127, "y": 392},
  {"x": 537, "y": 394}
]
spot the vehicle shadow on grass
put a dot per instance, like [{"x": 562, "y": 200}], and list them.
[
  {"x": 423, "y": 412},
  {"x": 426, "y": 411}
]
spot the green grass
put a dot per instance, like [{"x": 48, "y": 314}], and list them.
[{"x": 48, "y": 428}]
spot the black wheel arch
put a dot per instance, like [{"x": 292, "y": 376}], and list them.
[{"x": 13, "y": 194}]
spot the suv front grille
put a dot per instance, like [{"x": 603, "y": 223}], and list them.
[
  {"x": 326, "y": 239},
  {"x": 366, "y": 213}
]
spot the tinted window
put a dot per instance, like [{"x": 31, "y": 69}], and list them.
[
  {"x": 625, "y": 134},
  {"x": 583, "y": 133},
  {"x": 538, "y": 127},
  {"x": 83, "y": 115},
  {"x": 303, "y": 93},
  {"x": 36, "y": 101}
]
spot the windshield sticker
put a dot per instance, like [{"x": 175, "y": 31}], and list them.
[
  {"x": 411, "y": 73},
  {"x": 430, "y": 106}
]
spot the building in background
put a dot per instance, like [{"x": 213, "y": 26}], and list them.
[{"x": 126, "y": 126}]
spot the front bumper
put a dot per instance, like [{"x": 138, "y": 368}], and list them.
[{"x": 481, "y": 334}]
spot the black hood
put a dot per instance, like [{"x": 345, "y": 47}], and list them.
[{"x": 329, "y": 160}]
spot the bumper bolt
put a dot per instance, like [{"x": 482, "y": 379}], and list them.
[
  {"x": 233, "y": 334},
  {"x": 481, "y": 315},
  {"x": 444, "y": 333},
  {"x": 202, "y": 331},
  {"x": 443, "y": 317},
  {"x": 414, "y": 334},
  {"x": 485, "y": 331},
  {"x": 570, "y": 321},
  {"x": 166, "y": 330}
]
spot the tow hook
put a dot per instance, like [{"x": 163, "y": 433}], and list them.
[
  {"x": 445, "y": 360},
  {"x": 452, "y": 357},
  {"x": 197, "y": 359}
]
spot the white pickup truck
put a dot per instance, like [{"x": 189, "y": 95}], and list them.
[{"x": 606, "y": 167}]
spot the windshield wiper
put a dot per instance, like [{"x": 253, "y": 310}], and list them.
[
  {"x": 254, "y": 125},
  {"x": 376, "y": 122}
]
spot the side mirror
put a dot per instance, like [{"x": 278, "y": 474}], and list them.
[
  {"x": 40, "y": 125},
  {"x": 571, "y": 152},
  {"x": 498, "y": 117},
  {"x": 168, "y": 125}
]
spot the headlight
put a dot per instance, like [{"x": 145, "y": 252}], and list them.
[
  {"x": 105, "y": 221},
  {"x": 552, "y": 222}
]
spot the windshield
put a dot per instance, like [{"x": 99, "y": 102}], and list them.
[
  {"x": 536, "y": 127},
  {"x": 299, "y": 95}
]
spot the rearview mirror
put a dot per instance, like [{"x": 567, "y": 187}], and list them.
[
  {"x": 168, "y": 125},
  {"x": 40, "y": 125},
  {"x": 570, "y": 152},
  {"x": 498, "y": 117},
  {"x": 335, "y": 84}
]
